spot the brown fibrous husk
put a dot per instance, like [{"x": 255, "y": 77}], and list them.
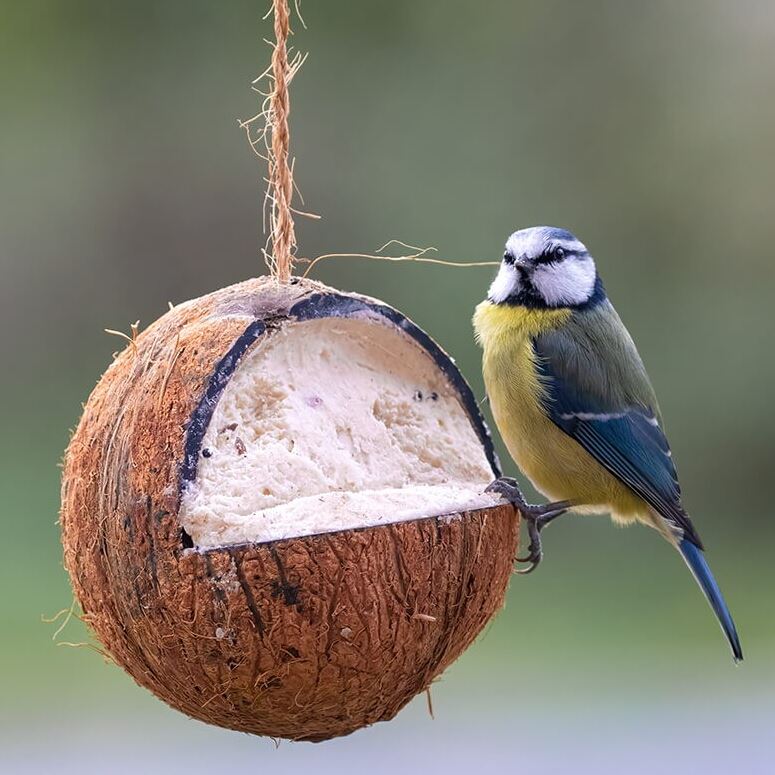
[{"x": 304, "y": 638}]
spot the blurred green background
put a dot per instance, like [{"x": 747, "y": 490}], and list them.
[{"x": 646, "y": 128}]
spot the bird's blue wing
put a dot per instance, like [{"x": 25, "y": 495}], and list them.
[{"x": 624, "y": 437}]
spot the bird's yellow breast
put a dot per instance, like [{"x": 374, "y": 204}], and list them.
[{"x": 556, "y": 465}]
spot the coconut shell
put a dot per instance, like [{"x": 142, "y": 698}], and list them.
[{"x": 305, "y": 638}]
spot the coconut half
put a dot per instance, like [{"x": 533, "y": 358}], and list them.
[{"x": 273, "y": 511}]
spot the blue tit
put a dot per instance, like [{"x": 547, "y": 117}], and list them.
[{"x": 573, "y": 403}]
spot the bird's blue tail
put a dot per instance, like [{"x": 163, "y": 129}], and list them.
[{"x": 695, "y": 559}]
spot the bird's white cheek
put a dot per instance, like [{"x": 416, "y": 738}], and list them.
[
  {"x": 505, "y": 284},
  {"x": 569, "y": 282}
]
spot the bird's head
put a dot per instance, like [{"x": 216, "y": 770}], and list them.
[{"x": 545, "y": 267}]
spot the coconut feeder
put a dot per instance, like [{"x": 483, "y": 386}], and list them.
[{"x": 273, "y": 508}]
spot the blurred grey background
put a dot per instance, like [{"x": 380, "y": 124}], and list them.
[{"x": 646, "y": 128}]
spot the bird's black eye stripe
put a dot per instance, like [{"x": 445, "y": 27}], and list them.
[
  {"x": 508, "y": 258},
  {"x": 553, "y": 255}
]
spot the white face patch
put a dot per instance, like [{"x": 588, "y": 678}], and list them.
[
  {"x": 566, "y": 283},
  {"x": 505, "y": 284}
]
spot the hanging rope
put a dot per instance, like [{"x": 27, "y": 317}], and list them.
[
  {"x": 283, "y": 234},
  {"x": 269, "y": 137}
]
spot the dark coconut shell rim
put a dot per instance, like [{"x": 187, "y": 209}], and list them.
[{"x": 315, "y": 307}]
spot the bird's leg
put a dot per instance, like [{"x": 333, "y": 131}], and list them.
[{"x": 537, "y": 516}]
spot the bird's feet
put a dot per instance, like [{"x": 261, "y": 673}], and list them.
[{"x": 537, "y": 516}]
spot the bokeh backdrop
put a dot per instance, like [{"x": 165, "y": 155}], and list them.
[{"x": 646, "y": 128}]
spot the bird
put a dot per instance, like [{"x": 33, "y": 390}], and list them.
[{"x": 574, "y": 405}]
